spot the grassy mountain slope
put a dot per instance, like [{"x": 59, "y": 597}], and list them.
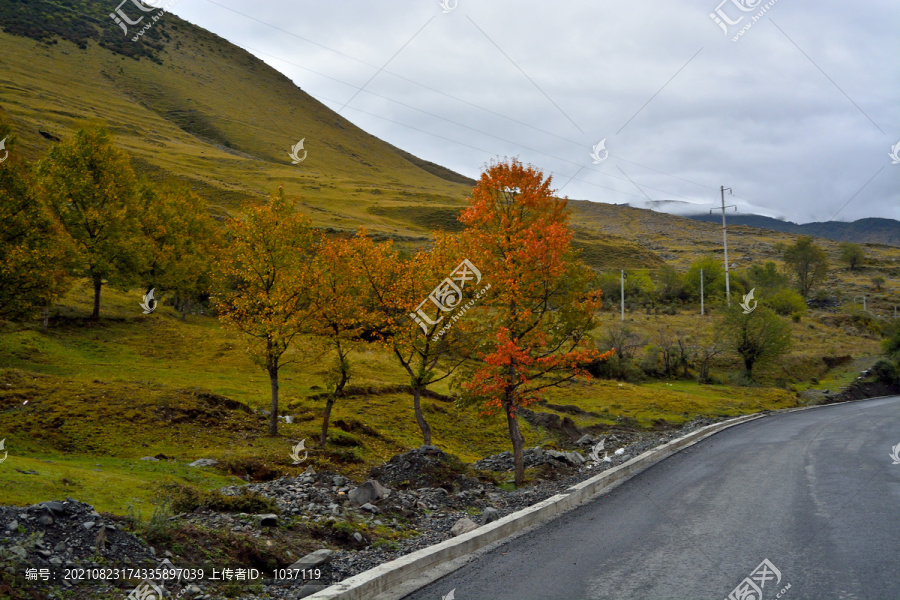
[
  {"x": 210, "y": 114},
  {"x": 193, "y": 106}
]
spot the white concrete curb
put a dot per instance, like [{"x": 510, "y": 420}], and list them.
[{"x": 391, "y": 574}]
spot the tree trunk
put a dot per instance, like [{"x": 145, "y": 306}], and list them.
[
  {"x": 518, "y": 443},
  {"x": 323, "y": 437},
  {"x": 344, "y": 369},
  {"x": 423, "y": 425},
  {"x": 273, "y": 418},
  {"x": 185, "y": 308},
  {"x": 98, "y": 283},
  {"x": 46, "y": 318}
]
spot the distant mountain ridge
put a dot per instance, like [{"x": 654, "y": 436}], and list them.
[{"x": 863, "y": 231}]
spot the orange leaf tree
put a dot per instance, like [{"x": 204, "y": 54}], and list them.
[
  {"x": 265, "y": 276},
  {"x": 400, "y": 289},
  {"x": 342, "y": 308},
  {"x": 543, "y": 303}
]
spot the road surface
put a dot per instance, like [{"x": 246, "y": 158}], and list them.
[{"x": 815, "y": 493}]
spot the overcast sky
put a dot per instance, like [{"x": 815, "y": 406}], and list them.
[{"x": 798, "y": 115}]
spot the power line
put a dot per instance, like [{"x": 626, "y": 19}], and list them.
[{"x": 360, "y": 89}]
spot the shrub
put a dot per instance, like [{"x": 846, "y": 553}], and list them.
[
  {"x": 886, "y": 371},
  {"x": 616, "y": 367},
  {"x": 786, "y": 302},
  {"x": 891, "y": 343}
]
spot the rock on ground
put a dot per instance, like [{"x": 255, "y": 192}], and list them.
[{"x": 462, "y": 526}]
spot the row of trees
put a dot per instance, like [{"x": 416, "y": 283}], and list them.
[
  {"x": 280, "y": 279},
  {"x": 757, "y": 338},
  {"x": 530, "y": 305},
  {"x": 784, "y": 291},
  {"x": 81, "y": 212}
]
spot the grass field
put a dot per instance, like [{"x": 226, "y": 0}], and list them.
[{"x": 100, "y": 396}]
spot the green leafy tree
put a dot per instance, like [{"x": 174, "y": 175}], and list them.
[
  {"x": 713, "y": 278},
  {"x": 91, "y": 191},
  {"x": 266, "y": 274},
  {"x": 31, "y": 253},
  {"x": 183, "y": 239},
  {"x": 767, "y": 279},
  {"x": 878, "y": 281},
  {"x": 852, "y": 254},
  {"x": 808, "y": 263},
  {"x": 669, "y": 285},
  {"x": 785, "y": 302},
  {"x": 891, "y": 342},
  {"x": 758, "y": 337}
]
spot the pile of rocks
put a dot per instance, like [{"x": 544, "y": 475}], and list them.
[
  {"x": 64, "y": 535},
  {"x": 532, "y": 457},
  {"x": 423, "y": 467}
]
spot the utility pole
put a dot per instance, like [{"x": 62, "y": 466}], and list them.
[
  {"x": 725, "y": 240},
  {"x": 623, "y": 295},
  {"x": 701, "y": 292}
]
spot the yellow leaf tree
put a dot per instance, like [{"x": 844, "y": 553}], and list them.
[
  {"x": 412, "y": 303},
  {"x": 342, "y": 309},
  {"x": 264, "y": 282}
]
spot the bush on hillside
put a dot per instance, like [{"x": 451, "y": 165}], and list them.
[
  {"x": 886, "y": 371},
  {"x": 786, "y": 302}
]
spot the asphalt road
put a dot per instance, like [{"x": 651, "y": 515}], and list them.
[{"x": 813, "y": 492}]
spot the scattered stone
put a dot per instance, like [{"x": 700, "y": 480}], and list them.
[
  {"x": 88, "y": 524},
  {"x": 55, "y": 507},
  {"x": 367, "y": 492},
  {"x": 489, "y": 515},
  {"x": 358, "y": 537},
  {"x": 314, "y": 559},
  {"x": 204, "y": 462},
  {"x": 268, "y": 520},
  {"x": 369, "y": 508},
  {"x": 56, "y": 561},
  {"x": 13, "y": 525},
  {"x": 152, "y": 458},
  {"x": 45, "y": 520},
  {"x": 100, "y": 540},
  {"x": 464, "y": 525}
]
